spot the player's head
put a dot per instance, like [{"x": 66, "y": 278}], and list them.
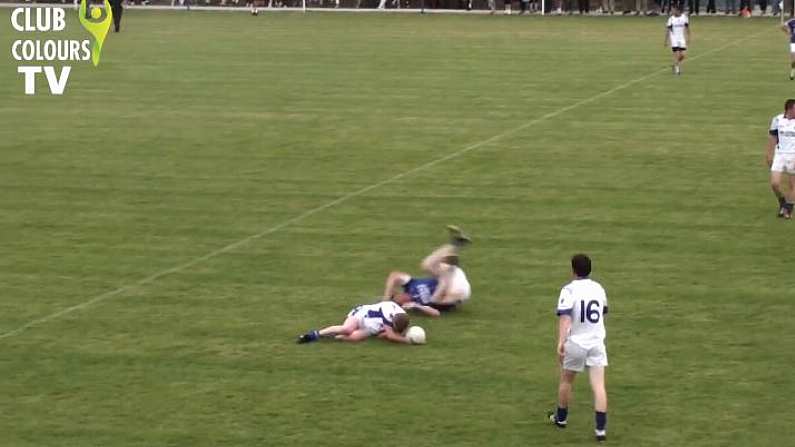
[
  {"x": 581, "y": 265},
  {"x": 400, "y": 322},
  {"x": 402, "y": 298},
  {"x": 789, "y": 107},
  {"x": 676, "y": 11}
]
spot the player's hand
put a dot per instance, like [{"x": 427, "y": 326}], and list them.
[
  {"x": 383, "y": 335},
  {"x": 561, "y": 352},
  {"x": 769, "y": 161}
]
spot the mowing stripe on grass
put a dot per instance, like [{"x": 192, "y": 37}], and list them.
[{"x": 155, "y": 276}]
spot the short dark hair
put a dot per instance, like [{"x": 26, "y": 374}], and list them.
[
  {"x": 581, "y": 265},
  {"x": 790, "y": 103},
  {"x": 400, "y": 322}
]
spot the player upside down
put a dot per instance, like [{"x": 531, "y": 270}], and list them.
[{"x": 447, "y": 287}]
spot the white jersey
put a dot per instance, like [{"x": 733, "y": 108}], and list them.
[
  {"x": 783, "y": 129},
  {"x": 586, "y": 302},
  {"x": 373, "y": 317},
  {"x": 676, "y": 30}
]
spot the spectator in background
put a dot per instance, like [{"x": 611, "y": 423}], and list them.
[
  {"x": 711, "y": 7},
  {"x": 641, "y": 7},
  {"x": 763, "y": 6},
  {"x": 608, "y": 6},
  {"x": 117, "y": 8},
  {"x": 731, "y": 6},
  {"x": 584, "y": 6},
  {"x": 492, "y": 6},
  {"x": 693, "y": 6},
  {"x": 745, "y": 4}
]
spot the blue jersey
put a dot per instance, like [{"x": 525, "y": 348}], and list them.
[
  {"x": 421, "y": 289},
  {"x": 791, "y": 28}
]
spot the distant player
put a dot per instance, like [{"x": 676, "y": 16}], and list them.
[
  {"x": 781, "y": 157},
  {"x": 582, "y": 307},
  {"x": 789, "y": 29},
  {"x": 386, "y": 320},
  {"x": 677, "y": 34},
  {"x": 447, "y": 287}
]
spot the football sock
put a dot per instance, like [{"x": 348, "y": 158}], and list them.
[
  {"x": 781, "y": 201},
  {"x": 601, "y": 420},
  {"x": 561, "y": 415}
]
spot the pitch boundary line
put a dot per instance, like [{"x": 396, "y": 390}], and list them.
[{"x": 344, "y": 198}]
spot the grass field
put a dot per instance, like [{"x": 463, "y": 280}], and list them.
[{"x": 200, "y": 130}]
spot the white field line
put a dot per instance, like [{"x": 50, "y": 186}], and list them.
[{"x": 178, "y": 268}]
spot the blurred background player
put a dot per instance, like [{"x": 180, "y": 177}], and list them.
[
  {"x": 781, "y": 157},
  {"x": 386, "y": 320},
  {"x": 582, "y": 306},
  {"x": 789, "y": 29},
  {"x": 447, "y": 287},
  {"x": 677, "y": 33}
]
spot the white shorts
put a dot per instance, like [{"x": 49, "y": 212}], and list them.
[
  {"x": 792, "y": 48},
  {"x": 576, "y": 358},
  {"x": 371, "y": 325},
  {"x": 783, "y": 163},
  {"x": 459, "y": 285},
  {"x": 678, "y": 44}
]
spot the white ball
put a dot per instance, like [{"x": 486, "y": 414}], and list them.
[{"x": 416, "y": 335}]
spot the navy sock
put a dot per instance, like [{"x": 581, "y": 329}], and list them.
[
  {"x": 563, "y": 413},
  {"x": 781, "y": 201},
  {"x": 313, "y": 335},
  {"x": 601, "y": 420}
]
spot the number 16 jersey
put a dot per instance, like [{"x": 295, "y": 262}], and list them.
[{"x": 585, "y": 301}]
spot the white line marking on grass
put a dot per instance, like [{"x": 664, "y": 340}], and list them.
[{"x": 155, "y": 276}]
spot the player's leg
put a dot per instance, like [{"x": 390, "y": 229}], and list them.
[
  {"x": 776, "y": 181},
  {"x": 394, "y": 282},
  {"x": 350, "y": 325},
  {"x": 356, "y": 335},
  {"x": 573, "y": 362},
  {"x": 435, "y": 262},
  {"x": 788, "y": 206},
  {"x": 792, "y": 61},
  {"x": 565, "y": 387},
  {"x": 597, "y": 377}
]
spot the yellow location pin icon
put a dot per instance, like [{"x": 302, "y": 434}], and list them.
[{"x": 96, "y": 26}]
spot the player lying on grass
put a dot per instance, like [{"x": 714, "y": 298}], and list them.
[
  {"x": 447, "y": 287},
  {"x": 386, "y": 319},
  {"x": 780, "y": 157}
]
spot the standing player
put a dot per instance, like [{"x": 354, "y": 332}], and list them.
[
  {"x": 582, "y": 307},
  {"x": 677, "y": 33},
  {"x": 781, "y": 157},
  {"x": 789, "y": 29},
  {"x": 445, "y": 289},
  {"x": 386, "y": 319}
]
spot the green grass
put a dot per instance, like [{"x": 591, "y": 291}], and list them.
[{"x": 198, "y": 130}]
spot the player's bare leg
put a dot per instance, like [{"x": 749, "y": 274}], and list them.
[
  {"x": 785, "y": 203},
  {"x": 597, "y": 376},
  {"x": 565, "y": 387},
  {"x": 791, "y": 66},
  {"x": 348, "y": 327}
]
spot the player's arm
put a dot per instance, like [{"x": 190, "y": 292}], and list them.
[
  {"x": 427, "y": 310},
  {"x": 687, "y": 32},
  {"x": 390, "y": 335},
  {"x": 357, "y": 335},
  {"x": 772, "y": 141},
  {"x": 785, "y": 28},
  {"x": 668, "y": 29},
  {"x": 564, "y": 325}
]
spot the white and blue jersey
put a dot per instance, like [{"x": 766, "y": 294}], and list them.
[
  {"x": 421, "y": 289},
  {"x": 374, "y": 317}
]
